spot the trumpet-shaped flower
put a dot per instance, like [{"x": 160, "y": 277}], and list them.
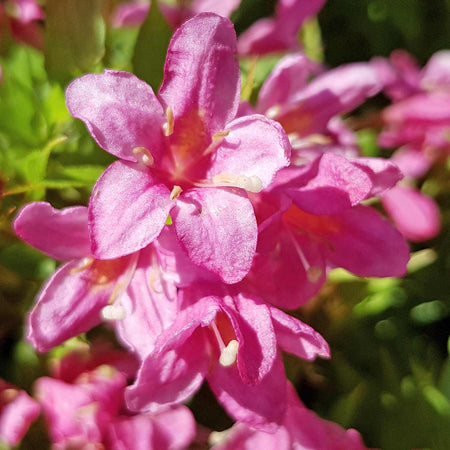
[
  {"x": 85, "y": 290},
  {"x": 182, "y": 154},
  {"x": 233, "y": 340}
]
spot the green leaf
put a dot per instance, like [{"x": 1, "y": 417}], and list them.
[
  {"x": 75, "y": 37},
  {"x": 86, "y": 174},
  {"x": 151, "y": 48}
]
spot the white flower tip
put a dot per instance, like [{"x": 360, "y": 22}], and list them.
[
  {"x": 229, "y": 353},
  {"x": 143, "y": 156},
  {"x": 113, "y": 312}
]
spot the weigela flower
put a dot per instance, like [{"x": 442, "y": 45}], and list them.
[
  {"x": 17, "y": 411},
  {"x": 301, "y": 429},
  {"x": 85, "y": 290},
  {"x": 279, "y": 33},
  {"x": 89, "y": 410},
  {"x": 181, "y": 153},
  {"x": 232, "y": 340}
]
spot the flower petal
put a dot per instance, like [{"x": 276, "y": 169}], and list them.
[
  {"x": 415, "y": 214},
  {"x": 296, "y": 337},
  {"x": 71, "y": 300},
  {"x": 217, "y": 228},
  {"x": 61, "y": 234},
  {"x": 120, "y": 111},
  {"x": 127, "y": 210},
  {"x": 255, "y": 146},
  {"x": 201, "y": 76}
]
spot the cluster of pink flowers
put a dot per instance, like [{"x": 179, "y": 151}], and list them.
[{"x": 215, "y": 215}]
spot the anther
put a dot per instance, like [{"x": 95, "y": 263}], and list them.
[
  {"x": 251, "y": 183},
  {"x": 85, "y": 263},
  {"x": 176, "y": 191},
  {"x": 313, "y": 274},
  {"x": 228, "y": 354},
  {"x": 220, "y": 135},
  {"x": 168, "y": 126},
  {"x": 113, "y": 312},
  {"x": 143, "y": 156},
  {"x": 273, "y": 111}
]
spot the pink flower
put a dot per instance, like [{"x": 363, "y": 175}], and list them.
[
  {"x": 133, "y": 14},
  {"x": 182, "y": 155},
  {"x": 300, "y": 429},
  {"x": 279, "y": 33},
  {"x": 90, "y": 411},
  {"x": 232, "y": 339},
  {"x": 85, "y": 291},
  {"x": 17, "y": 411}
]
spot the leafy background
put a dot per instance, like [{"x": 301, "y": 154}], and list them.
[{"x": 390, "y": 372}]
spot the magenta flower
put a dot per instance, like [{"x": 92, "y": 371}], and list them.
[
  {"x": 231, "y": 339},
  {"x": 182, "y": 154},
  {"x": 85, "y": 291},
  {"x": 17, "y": 411},
  {"x": 279, "y": 33},
  {"x": 90, "y": 410},
  {"x": 300, "y": 429}
]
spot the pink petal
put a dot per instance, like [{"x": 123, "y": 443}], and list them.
[
  {"x": 413, "y": 163},
  {"x": 335, "y": 92},
  {"x": 364, "y": 243},
  {"x": 201, "y": 76},
  {"x": 294, "y": 336},
  {"x": 151, "y": 305},
  {"x": 291, "y": 273},
  {"x": 71, "y": 300},
  {"x": 120, "y": 111},
  {"x": 255, "y": 146},
  {"x": 127, "y": 210},
  {"x": 331, "y": 185},
  {"x": 415, "y": 214},
  {"x": 171, "y": 376},
  {"x": 16, "y": 415},
  {"x": 383, "y": 174},
  {"x": 223, "y": 8},
  {"x": 436, "y": 74},
  {"x": 261, "y": 406},
  {"x": 217, "y": 227},
  {"x": 288, "y": 77},
  {"x": 292, "y": 13},
  {"x": 130, "y": 14},
  {"x": 173, "y": 429},
  {"x": 61, "y": 234},
  {"x": 29, "y": 11},
  {"x": 257, "y": 345}
]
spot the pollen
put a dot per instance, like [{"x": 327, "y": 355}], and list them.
[{"x": 169, "y": 125}]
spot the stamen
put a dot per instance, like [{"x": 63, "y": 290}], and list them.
[
  {"x": 313, "y": 274},
  {"x": 220, "y": 135},
  {"x": 229, "y": 354},
  {"x": 251, "y": 183},
  {"x": 143, "y": 156},
  {"x": 85, "y": 263},
  {"x": 168, "y": 126},
  {"x": 113, "y": 312},
  {"x": 273, "y": 111},
  {"x": 176, "y": 191}
]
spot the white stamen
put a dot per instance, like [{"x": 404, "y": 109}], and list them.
[
  {"x": 176, "y": 191},
  {"x": 168, "y": 126},
  {"x": 251, "y": 183},
  {"x": 228, "y": 355},
  {"x": 113, "y": 312},
  {"x": 143, "y": 156}
]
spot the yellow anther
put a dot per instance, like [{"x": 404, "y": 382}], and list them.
[
  {"x": 220, "y": 135},
  {"x": 85, "y": 263},
  {"x": 143, "y": 156},
  {"x": 176, "y": 191},
  {"x": 168, "y": 126}
]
